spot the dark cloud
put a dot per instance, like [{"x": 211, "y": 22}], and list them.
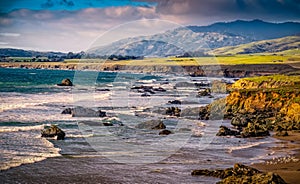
[{"x": 277, "y": 10}]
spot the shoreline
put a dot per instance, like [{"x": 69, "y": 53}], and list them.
[
  {"x": 212, "y": 70},
  {"x": 289, "y": 171}
]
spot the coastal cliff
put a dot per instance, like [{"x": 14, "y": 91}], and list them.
[
  {"x": 239, "y": 71},
  {"x": 258, "y": 105}
]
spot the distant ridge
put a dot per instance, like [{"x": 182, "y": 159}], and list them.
[
  {"x": 272, "y": 46},
  {"x": 256, "y": 29},
  {"x": 28, "y": 53},
  {"x": 199, "y": 39}
]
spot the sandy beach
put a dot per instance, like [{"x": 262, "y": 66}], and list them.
[{"x": 290, "y": 171}]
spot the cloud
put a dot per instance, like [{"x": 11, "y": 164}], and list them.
[
  {"x": 274, "y": 10},
  {"x": 66, "y": 30},
  {"x": 74, "y": 29},
  {"x": 10, "y": 34}
]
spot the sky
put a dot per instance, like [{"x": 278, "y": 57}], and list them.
[{"x": 69, "y": 25}]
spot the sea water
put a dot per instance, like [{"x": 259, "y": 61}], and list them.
[{"x": 31, "y": 100}]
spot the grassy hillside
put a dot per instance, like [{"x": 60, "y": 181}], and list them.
[
  {"x": 285, "y": 45},
  {"x": 219, "y": 60}
]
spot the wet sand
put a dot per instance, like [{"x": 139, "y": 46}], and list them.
[{"x": 290, "y": 171}]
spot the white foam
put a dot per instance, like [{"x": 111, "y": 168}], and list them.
[
  {"x": 20, "y": 128},
  {"x": 79, "y": 135},
  {"x": 249, "y": 145}
]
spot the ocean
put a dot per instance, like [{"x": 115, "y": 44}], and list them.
[{"x": 31, "y": 100}]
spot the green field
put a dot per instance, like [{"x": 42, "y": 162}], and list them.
[{"x": 218, "y": 60}]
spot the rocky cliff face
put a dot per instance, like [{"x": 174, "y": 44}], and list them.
[
  {"x": 258, "y": 105},
  {"x": 272, "y": 100}
]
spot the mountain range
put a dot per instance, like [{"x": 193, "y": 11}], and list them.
[
  {"x": 199, "y": 39},
  {"x": 218, "y": 38}
]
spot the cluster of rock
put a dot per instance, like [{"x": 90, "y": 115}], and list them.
[
  {"x": 147, "y": 90},
  {"x": 240, "y": 174}
]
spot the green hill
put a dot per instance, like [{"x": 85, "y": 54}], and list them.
[{"x": 289, "y": 44}]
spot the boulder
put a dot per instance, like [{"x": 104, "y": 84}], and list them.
[
  {"x": 112, "y": 122},
  {"x": 66, "y": 82},
  {"x": 67, "y": 111},
  {"x": 165, "y": 132},
  {"x": 53, "y": 131},
  {"x": 173, "y": 111},
  {"x": 152, "y": 125},
  {"x": 87, "y": 112},
  {"x": 224, "y": 131},
  {"x": 175, "y": 102}
]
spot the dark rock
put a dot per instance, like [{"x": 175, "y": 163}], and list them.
[
  {"x": 224, "y": 131},
  {"x": 66, "y": 82},
  {"x": 254, "y": 130},
  {"x": 205, "y": 92},
  {"x": 173, "y": 111},
  {"x": 53, "y": 131},
  {"x": 165, "y": 132},
  {"x": 87, "y": 112},
  {"x": 240, "y": 121},
  {"x": 112, "y": 122},
  {"x": 255, "y": 179},
  {"x": 105, "y": 89},
  {"x": 152, "y": 125},
  {"x": 67, "y": 111},
  {"x": 160, "y": 89},
  {"x": 282, "y": 133},
  {"x": 145, "y": 95},
  {"x": 204, "y": 113},
  {"x": 175, "y": 102},
  {"x": 107, "y": 124},
  {"x": 240, "y": 174}
]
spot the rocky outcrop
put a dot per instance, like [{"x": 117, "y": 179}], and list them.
[
  {"x": 240, "y": 174},
  {"x": 53, "y": 131},
  {"x": 224, "y": 131},
  {"x": 66, "y": 82},
  {"x": 255, "y": 130},
  {"x": 112, "y": 122},
  {"x": 152, "y": 125},
  {"x": 258, "y": 105},
  {"x": 86, "y": 112},
  {"x": 165, "y": 132}
]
